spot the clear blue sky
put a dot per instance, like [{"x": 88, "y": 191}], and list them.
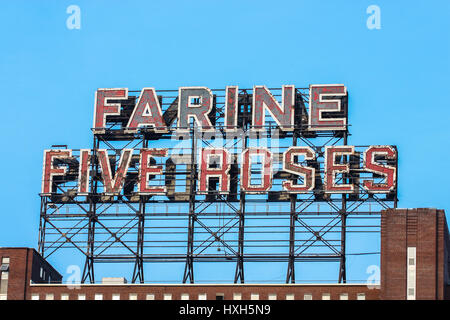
[{"x": 397, "y": 77}]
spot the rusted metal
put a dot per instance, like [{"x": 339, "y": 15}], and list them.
[{"x": 142, "y": 196}]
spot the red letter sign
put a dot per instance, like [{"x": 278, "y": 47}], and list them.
[
  {"x": 83, "y": 171},
  {"x": 103, "y": 108},
  {"x": 331, "y": 169},
  {"x": 388, "y": 172},
  {"x": 318, "y": 105},
  {"x": 196, "y": 103},
  {"x": 49, "y": 170},
  {"x": 146, "y": 170},
  {"x": 112, "y": 186},
  {"x": 231, "y": 108},
  {"x": 283, "y": 116},
  {"x": 246, "y": 166},
  {"x": 220, "y": 172},
  {"x": 147, "y": 112},
  {"x": 308, "y": 174}
]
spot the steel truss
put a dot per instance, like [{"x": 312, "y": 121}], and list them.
[{"x": 189, "y": 227}]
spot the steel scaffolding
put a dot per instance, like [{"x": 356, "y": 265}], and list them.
[{"x": 189, "y": 227}]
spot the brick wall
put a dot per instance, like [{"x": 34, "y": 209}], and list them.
[
  {"x": 424, "y": 229},
  {"x": 19, "y": 262},
  {"x": 298, "y": 290},
  {"x": 24, "y": 266}
]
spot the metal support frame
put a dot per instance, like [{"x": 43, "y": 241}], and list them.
[
  {"x": 343, "y": 213},
  {"x": 189, "y": 268},
  {"x": 101, "y": 235},
  {"x": 239, "y": 274},
  {"x": 290, "y": 277},
  {"x": 138, "y": 272},
  {"x": 88, "y": 271}
]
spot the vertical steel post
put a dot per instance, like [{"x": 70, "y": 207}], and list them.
[
  {"x": 138, "y": 272},
  {"x": 42, "y": 226},
  {"x": 88, "y": 271},
  {"x": 239, "y": 273},
  {"x": 290, "y": 277},
  {"x": 189, "y": 267},
  {"x": 343, "y": 213}
]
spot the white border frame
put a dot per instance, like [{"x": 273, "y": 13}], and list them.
[
  {"x": 166, "y": 152},
  {"x": 335, "y": 172},
  {"x": 227, "y": 171},
  {"x": 113, "y": 179},
  {"x": 372, "y": 160},
  {"x": 53, "y": 167},
  {"x": 251, "y": 149},
  {"x": 265, "y": 107},
  {"x": 107, "y": 104},
  {"x": 291, "y": 160},
  {"x": 89, "y": 159},
  {"x": 180, "y": 129},
  {"x": 155, "y": 96},
  {"x": 338, "y": 109},
  {"x": 235, "y": 107}
]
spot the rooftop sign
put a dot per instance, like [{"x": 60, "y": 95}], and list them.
[{"x": 216, "y": 167}]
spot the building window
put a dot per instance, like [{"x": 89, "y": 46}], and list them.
[
  {"x": 167, "y": 296},
  {"x": 220, "y": 296},
  {"x": 272, "y": 296},
  {"x": 237, "y": 296},
  {"x": 98, "y": 296},
  {"x": 115, "y": 296},
  {"x": 4, "y": 283},
  {"x": 4, "y": 276},
  {"x": 326, "y": 296},
  {"x": 361, "y": 296},
  {"x": 185, "y": 296},
  {"x": 150, "y": 296},
  {"x": 307, "y": 296},
  {"x": 81, "y": 296},
  {"x": 254, "y": 296},
  {"x": 49, "y": 296},
  {"x": 202, "y": 296},
  {"x": 290, "y": 296},
  {"x": 343, "y": 296},
  {"x": 411, "y": 274},
  {"x": 64, "y": 296},
  {"x": 35, "y": 296},
  {"x": 133, "y": 296}
]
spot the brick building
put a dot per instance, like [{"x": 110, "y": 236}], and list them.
[{"x": 414, "y": 265}]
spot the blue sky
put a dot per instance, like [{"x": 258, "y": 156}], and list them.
[{"x": 397, "y": 76}]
